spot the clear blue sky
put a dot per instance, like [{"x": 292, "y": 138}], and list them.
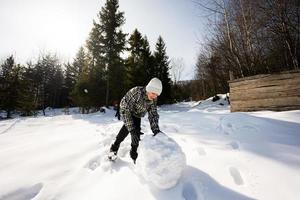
[{"x": 31, "y": 27}]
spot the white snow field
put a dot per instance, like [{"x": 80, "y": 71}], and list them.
[{"x": 212, "y": 154}]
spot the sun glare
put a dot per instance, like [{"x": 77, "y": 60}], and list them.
[{"x": 56, "y": 29}]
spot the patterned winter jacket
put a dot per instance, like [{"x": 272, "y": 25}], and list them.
[{"x": 136, "y": 103}]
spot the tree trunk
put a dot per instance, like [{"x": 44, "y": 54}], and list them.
[{"x": 230, "y": 40}]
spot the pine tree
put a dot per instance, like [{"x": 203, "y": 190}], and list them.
[
  {"x": 69, "y": 83},
  {"x": 139, "y": 62},
  {"x": 40, "y": 77},
  {"x": 81, "y": 95},
  {"x": 147, "y": 60},
  {"x": 79, "y": 63},
  {"x": 97, "y": 87},
  {"x": 135, "y": 70},
  {"x": 27, "y": 91},
  {"x": 161, "y": 70},
  {"x": 73, "y": 72},
  {"x": 56, "y": 83},
  {"x": 10, "y": 85},
  {"x": 106, "y": 43},
  {"x": 49, "y": 82}
]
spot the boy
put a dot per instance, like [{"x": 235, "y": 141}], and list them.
[{"x": 133, "y": 106}]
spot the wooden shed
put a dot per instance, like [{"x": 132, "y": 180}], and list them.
[{"x": 277, "y": 92}]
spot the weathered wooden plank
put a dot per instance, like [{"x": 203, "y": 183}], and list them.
[
  {"x": 266, "y": 92},
  {"x": 272, "y": 108},
  {"x": 274, "y": 88},
  {"x": 266, "y": 82},
  {"x": 280, "y": 101},
  {"x": 270, "y": 89},
  {"x": 266, "y": 76},
  {"x": 236, "y": 96},
  {"x": 260, "y": 76}
]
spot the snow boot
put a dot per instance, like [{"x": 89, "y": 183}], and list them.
[{"x": 112, "y": 156}]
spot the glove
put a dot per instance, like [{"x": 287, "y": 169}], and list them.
[
  {"x": 135, "y": 137},
  {"x": 133, "y": 153},
  {"x": 156, "y": 132}
]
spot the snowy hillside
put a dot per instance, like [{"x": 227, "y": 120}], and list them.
[{"x": 225, "y": 155}]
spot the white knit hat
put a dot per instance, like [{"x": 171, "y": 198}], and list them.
[{"x": 154, "y": 86}]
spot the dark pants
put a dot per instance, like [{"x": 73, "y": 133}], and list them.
[{"x": 123, "y": 133}]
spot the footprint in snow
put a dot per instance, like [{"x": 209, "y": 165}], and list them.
[
  {"x": 227, "y": 129},
  {"x": 94, "y": 163},
  {"x": 24, "y": 193},
  {"x": 225, "y": 132},
  {"x": 235, "y": 174},
  {"x": 234, "y": 145},
  {"x": 229, "y": 125},
  {"x": 189, "y": 192}
]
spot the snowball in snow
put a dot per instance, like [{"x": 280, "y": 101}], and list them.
[{"x": 161, "y": 161}]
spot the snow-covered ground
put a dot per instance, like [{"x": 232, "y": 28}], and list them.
[{"x": 225, "y": 155}]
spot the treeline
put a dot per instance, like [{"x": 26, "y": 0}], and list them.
[
  {"x": 99, "y": 75},
  {"x": 247, "y": 37}
]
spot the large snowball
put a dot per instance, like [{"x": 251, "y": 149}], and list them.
[{"x": 161, "y": 161}]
